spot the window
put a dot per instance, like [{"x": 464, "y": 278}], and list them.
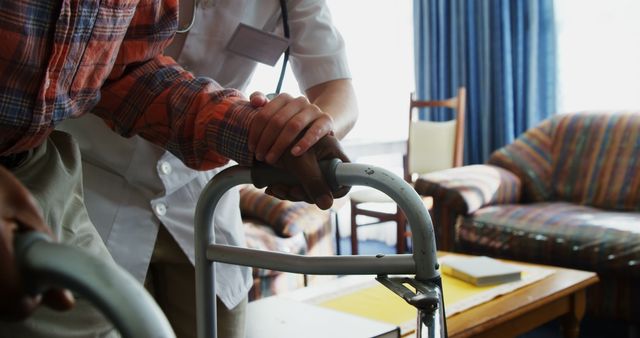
[
  {"x": 379, "y": 40},
  {"x": 598, "y": 55}
]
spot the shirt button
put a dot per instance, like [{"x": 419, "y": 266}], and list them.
[
  {"x": 165, "y": 168},
  {"x": 161, "y": 209}
]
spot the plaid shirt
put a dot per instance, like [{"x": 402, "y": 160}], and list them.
[{"x": 61, "y": 59}]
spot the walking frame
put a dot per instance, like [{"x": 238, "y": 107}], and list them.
[{"x": 423, "y": 262}]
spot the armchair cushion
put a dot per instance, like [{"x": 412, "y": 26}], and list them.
[
  {"x": 579, "y": 208},
  {"x": 556, "y": 233},
  {"x": 467, "y": 189}
]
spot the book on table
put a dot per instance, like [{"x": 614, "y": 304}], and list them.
[{"x": 481, "y": 270}]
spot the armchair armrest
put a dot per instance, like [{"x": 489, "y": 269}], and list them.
[
  {"x": 286, "y": 218},
  {"x": 470, "y": 188},
  {"x": 279, "y": 215},
  {"x": 463, "y": 190},
  {"x": 276, "y": 225}
]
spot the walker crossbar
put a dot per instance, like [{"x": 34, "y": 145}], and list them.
[
  {"x": 423, "y": 262},
  {"x": 312, "y": 265}
]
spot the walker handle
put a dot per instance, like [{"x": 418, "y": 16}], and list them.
[
  {"x": 339, "y": 174},
  {"x": 263, "y": 175},
  {"x": 110, "y": 288}
]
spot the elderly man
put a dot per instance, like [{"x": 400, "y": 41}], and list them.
[{"x": 63, "y": 59}]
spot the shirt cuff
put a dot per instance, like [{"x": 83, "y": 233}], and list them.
[{"x": 231, "y": 135}]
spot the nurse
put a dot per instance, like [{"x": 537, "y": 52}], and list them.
[{"x": 142, "y": 199}]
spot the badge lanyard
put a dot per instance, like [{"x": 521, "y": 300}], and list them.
[
  {"x": 285, "y": 28},
  {"x": 193, "y": 20}
]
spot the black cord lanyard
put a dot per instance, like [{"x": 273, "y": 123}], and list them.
[
  {"x": 191, "y": 23},
  {"x": 285, "y": 27}
]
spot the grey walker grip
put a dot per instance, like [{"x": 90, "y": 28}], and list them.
[
  {"x": 263, "y": 175},
  {"x": 120, "y": 297}
]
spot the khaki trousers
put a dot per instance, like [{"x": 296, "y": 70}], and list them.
[
  {"x": 171, "y": 281},
  {"x": 53, "y": 174}
]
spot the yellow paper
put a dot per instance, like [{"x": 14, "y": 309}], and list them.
[{"x": 378, "y": 302}]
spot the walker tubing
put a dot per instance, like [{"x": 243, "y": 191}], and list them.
[
  {"x": 120, "y": 297},
  {"x": 423, "y": 262}
]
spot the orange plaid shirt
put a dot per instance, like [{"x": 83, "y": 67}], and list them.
[{"x": 61, "y": 59}]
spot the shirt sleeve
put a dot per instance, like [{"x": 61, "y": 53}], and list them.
[
  {"x": 317, "y": 51},
  {"x": 150, "y": 95}
]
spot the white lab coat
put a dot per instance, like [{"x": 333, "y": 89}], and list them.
[{"x": 132, "y": 187}]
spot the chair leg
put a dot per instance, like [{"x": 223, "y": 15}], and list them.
[
  {"x": 354, "y": 230},
  {"x": 400, "y": 244},
  {"x": 401, "y": 241},
  {"x": 407, "y": 232},
  {"x": 336, "y": 225}
]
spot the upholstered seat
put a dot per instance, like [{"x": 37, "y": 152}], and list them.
[
  {"x": 565, "y": 193},
  {"x": 291, "y": 227},
  {"x": 556, "y": 233}
]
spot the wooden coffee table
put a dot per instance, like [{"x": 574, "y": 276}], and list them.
[{"x": 560, "y": 295}]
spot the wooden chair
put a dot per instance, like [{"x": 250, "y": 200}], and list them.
[{"x": 431, "y": 146}]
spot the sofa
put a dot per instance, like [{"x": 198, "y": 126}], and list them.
[
  {"x": 565, "y": 193},
  {"x": 290, "y": 227}
]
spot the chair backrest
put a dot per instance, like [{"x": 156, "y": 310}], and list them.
[
  {"x": 596, "y": 159},
  {"x": 435, "y": 145},
  {"x": 588, "y": 158}
]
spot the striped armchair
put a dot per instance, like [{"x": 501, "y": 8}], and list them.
[
  {"x": 565, "y": 193},
  {"x": 284, "y": 226}
]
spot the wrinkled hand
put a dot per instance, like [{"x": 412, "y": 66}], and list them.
[
  {"x": 279, "y": 123},
  {"x": 314, "y": 188},
  {"x": 18, "y": 213}
]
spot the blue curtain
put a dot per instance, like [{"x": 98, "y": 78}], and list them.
[{"x": 502, "y": 51}]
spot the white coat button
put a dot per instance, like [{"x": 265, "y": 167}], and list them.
[
  {"x": 165, "y": 168},
  {"x": 161, "y": 209}
]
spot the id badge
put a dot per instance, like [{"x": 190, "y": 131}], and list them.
[{"x": 257, "y": 45}]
